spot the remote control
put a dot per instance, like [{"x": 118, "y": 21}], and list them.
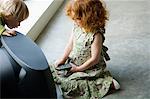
[{"x": 63, "y": 67}]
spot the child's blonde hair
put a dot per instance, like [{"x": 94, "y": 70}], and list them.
[
  {"x": 16, "y": 8},
  {"x": 92, "y": 13}
]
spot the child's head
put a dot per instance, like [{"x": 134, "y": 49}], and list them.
[
  {"x": 89, "y": 14},
  {"x": 13, "y": 12}
]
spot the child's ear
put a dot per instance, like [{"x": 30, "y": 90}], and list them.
[{"x": 7, "y": 16}]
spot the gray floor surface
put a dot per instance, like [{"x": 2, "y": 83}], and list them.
[{"x": 128, "y": 40}]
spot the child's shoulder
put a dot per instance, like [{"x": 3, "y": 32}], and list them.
[{"x": 100, "y": 30}]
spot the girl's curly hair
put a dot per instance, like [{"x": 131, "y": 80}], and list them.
[{"x": 92, "y": 13}]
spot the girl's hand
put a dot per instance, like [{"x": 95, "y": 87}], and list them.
[
  {"x": 59, "y": 62},
  {"x": 9, "y": 33},
  {"x": 74, "y": 68}
]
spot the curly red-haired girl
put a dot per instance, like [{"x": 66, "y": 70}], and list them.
[{"x": 88, "y": 77}]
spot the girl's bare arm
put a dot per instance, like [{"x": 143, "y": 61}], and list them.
[{"x": 68, "y": 48}]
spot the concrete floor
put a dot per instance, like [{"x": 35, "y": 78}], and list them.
[{"x": 128, "y": 40}]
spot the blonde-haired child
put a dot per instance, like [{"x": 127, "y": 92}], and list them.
[
  {"x": 88, "y": 78},
  {"x": 12, "y": 12}
]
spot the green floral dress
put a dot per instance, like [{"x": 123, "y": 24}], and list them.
[{"x": 93, "y": 83}]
